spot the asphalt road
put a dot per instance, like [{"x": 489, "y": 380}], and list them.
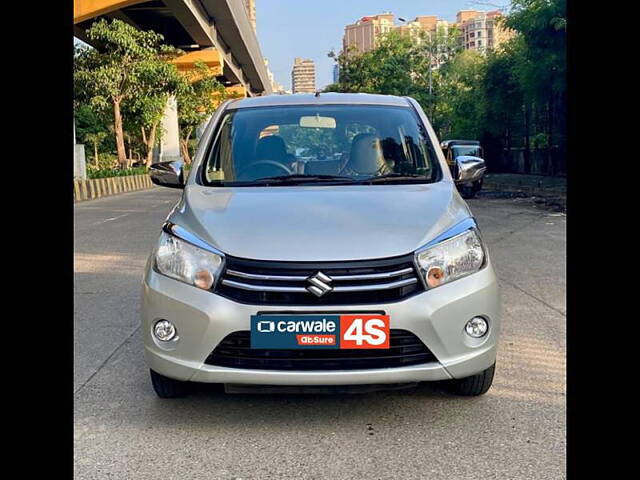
[{"x": 123, "y": 431}]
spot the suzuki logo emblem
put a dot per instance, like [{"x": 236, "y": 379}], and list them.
[{"x": 320, "y": 284}]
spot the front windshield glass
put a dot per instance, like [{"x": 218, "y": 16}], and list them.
[
  {"x": 472, "y": 151},
  {"x": 320, "y": 144}
]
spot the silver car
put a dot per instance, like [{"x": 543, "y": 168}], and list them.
[{"x": 354, "y": 264}]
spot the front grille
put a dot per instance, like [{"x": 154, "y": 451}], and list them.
[
  {"x": 405, "y": 349},
  {"x": 340, "y": 283}
]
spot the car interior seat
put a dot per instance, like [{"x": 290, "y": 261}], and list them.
[{"x": 366, "y": 157}]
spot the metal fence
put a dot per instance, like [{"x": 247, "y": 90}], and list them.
[{"x": 542, "y": 161}]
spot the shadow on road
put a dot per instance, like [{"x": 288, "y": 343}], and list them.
[{"x": 208, "y": 406}]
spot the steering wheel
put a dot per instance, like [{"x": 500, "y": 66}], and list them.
[{"x": 271, "y": 163}]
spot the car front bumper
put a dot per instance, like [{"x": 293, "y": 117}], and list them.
[{"x": 437, "y": 317}]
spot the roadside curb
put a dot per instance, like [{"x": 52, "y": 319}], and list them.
[
  {"x": 533, "y": 190},
  {"x": 106, "y": 187}
]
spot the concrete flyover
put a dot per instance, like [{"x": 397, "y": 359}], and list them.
[{"x": 216, "y": 31}]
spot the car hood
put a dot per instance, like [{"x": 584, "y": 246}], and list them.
[{"x": 319, "y": 223}]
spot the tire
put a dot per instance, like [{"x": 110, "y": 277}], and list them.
[
  {"x": 166, "y": 387},
  {"x": 474, "y": 385},
  {"x": 477, "y": 186},
  {"x": 467, "y": 192},
  {"x": 470, "y": 190}
]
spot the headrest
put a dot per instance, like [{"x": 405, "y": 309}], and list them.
[
  {"x": 271, "y": 147},
  {"x": 366, "y": 156}
]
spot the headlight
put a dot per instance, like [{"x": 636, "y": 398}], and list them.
[
  {"x": 178, "y": 259},
  {"x": 451, "y": 259}
]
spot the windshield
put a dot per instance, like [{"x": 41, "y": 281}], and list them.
[
  {"x": 347, "y": 144},
  {"x": 472, "y": 151}
]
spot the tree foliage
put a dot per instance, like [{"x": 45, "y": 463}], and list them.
[
  {"x": 457, "y": 108},
  {"x": 199, "y": 95},
  {"x": 90, "y": 121},
  {"x": 145, "y": 111},
  {"x": 512, "y": 97},
  {"x": 400, "y": 65},
  {"x": 542, "y": 26},
  {"x": 128, "y": 70},
  {"x": 96, "y": 139}
]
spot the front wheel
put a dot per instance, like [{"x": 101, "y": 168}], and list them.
[
  {"x": 470, "y": 190},
  {"x": 466, "y": 191},
  {"x": 477, "y": 185},
  {"x": 474, "y": 385},
  {"x": 166, "y": 387}
]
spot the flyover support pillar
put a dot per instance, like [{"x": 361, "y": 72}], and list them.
[
  {"x": 79, "y": 163},
  {"x": 201, "y": 128},
  {"x": 170, "y": 142}
]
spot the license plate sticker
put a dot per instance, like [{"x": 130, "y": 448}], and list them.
[{"x": 319, "y": 331}]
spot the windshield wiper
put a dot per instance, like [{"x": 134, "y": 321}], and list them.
[
  {"x": 301, "y": 178},
  {"x": 393, "y": 177},
  {"x": 298, "y": 179}
]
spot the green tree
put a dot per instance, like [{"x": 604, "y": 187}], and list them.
[
  {"x": 401, "y": 64},
  {"x": 502, "y": 119},
  {"x": 393, "y": 68},
  {"x": 460, "y": 107},
  {"x": 512, "y": 97},
  {"x": 95, "y": 138},
  {"x": 542, "y": 27},
  {"x": 539, "y": 52},
  {"x": 146, "y": 111},
  {"x": 198, "y": 95},
  {"x": 88, "y": 121},
  {"x": 125, "y": 67}
]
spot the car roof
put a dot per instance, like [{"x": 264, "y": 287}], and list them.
[{"x": 329, "y": 98}]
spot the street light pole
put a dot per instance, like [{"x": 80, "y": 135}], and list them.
[{"x": 431, "y": 102}]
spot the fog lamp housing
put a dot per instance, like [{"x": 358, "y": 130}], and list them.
[
  {"x": 477, "y": 327},
  {"x": 164, "y": 330}
]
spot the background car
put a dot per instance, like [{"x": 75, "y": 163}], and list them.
[{"x": 453, "y": 151}]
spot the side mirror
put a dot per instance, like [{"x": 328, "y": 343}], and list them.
[
  {"x": 470, "y": 169},
  {"x": 167, "y": 174}
]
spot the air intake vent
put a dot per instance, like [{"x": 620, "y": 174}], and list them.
[{"x": 405, "y": 349}]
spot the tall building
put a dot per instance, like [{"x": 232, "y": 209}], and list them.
[
  {"x": 363, "y": 34},
  {"x": 336, "y": 73},
  {"x": 478, "y": 31},
  {"x": 464, "y": 15},
  {"x": 303, "y": 76},
  {"x": 481, "y": 31},
  {"x": 430, "y": 24},
  {"x": 275, "y": 86},
  {"x": 251, "y": 11},
  {"x": 426, "y": 23}
]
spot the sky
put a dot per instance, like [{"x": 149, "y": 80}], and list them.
[{"x": 311, "y": 28}]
